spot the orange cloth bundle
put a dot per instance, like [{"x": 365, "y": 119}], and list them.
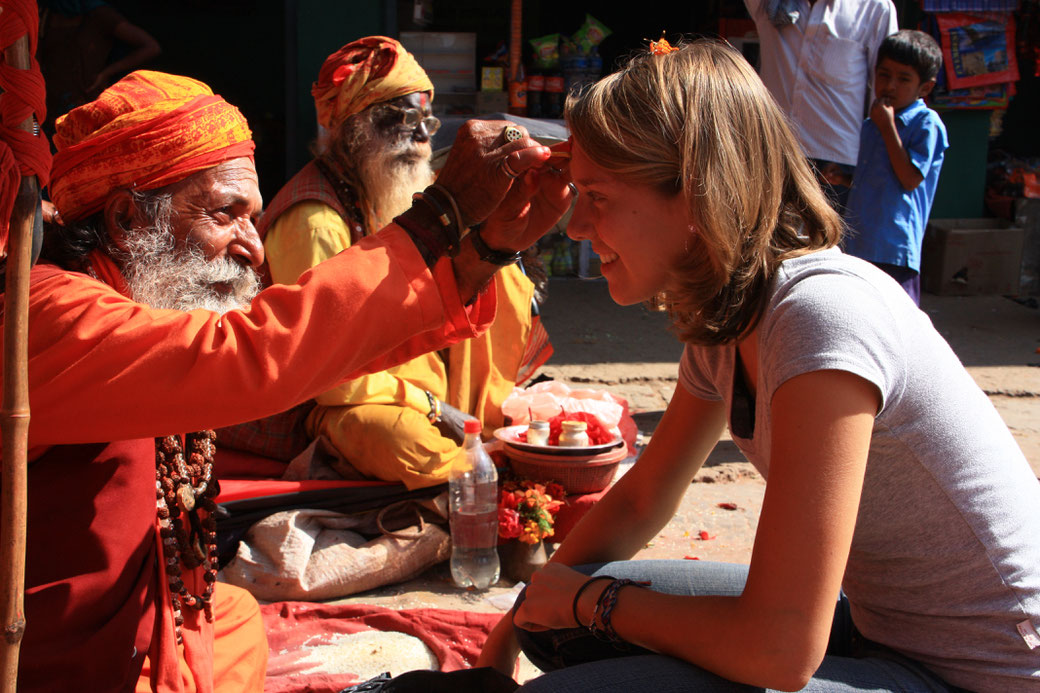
[
  {"x": 148, "y": 130},
  {"x": 362, "y": 73}
]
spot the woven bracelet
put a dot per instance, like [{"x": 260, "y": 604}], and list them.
[{"x": 609, "y": 600}]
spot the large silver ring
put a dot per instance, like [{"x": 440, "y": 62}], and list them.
[
  {"x": 512, "y": 133},
  {"x": 573, "y": 188},
  {"x": 509, "y": 169}
]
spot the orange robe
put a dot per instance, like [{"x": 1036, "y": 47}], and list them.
[{"x": 107, "y": 374}]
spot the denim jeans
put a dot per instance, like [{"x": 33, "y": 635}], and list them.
[{"x": 577, "y": 661}]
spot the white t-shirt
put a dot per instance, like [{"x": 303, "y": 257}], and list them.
[
  {"x": 820, "y": 69},
  {"x": 945, "y": 558}
]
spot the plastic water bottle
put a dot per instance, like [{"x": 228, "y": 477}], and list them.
[{"x": 473, "y": 506}]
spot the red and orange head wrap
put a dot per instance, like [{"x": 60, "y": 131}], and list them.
[
  {"x": 147, "y": 130},
  {"x": 362, "y": 73}
]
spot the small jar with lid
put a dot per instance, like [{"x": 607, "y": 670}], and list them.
[
  {"x": 538, "y": 433},
  {"x": 573, "y": 434}
]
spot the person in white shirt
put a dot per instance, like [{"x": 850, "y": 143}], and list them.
[{"x": 817, "y": 58}]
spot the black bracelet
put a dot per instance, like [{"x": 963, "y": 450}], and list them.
[
  {"x": 438, "y": 188},
  {"x": 429, "y": 243},
  {"x": 577, "y": 595},
  {"x": 502, "y": 258},
  {"x": 442, "y": 216},
  {"x": 452, "y": 232}
]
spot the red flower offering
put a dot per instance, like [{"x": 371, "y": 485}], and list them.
[
  {"x": 597, "y": 432},
  {"x": 527, "y": 510}
]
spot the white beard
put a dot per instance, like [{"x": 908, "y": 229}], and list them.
[
  {"x": 161, "y": 276},
  {"x": 390, "y": 173}
]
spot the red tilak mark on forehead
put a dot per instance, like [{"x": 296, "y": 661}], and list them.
[{"x": 424, "y": 99}]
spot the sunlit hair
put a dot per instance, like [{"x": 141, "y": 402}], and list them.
[{"x": 699, "y": 123}]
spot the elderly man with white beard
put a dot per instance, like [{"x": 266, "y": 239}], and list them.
[
  {"x": 373, "y": 154},
  {"x": 146, "y": 331}
]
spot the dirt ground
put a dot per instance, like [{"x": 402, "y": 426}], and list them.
[{"x": 629, "y": 351}]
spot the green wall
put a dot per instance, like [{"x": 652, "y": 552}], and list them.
[
  {"x": 962, "y": 182},
  {"x": 315, "y": 29}
]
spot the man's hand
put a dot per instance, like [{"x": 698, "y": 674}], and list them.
[
  {"x": 474, "y": 172},
  {"x": 883, "y": 115},
  {"x": 531, "y": 207},
  {"x": 452, "y": 423}
]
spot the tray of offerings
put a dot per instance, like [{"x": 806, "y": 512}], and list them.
[{"x": 516, "y": 437}]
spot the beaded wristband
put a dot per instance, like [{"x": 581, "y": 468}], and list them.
[
  {"x": 577, "y": 595},
  {"x": 434, "y": 414}
]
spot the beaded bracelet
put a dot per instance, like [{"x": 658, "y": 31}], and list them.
[
  {"x": 434, "y": 414},
  {"x": 577, "y": 595}
]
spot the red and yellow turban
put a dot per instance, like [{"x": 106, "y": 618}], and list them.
[
  {"x": 362, "y": 73},
  {"x": 147, "y": 130}
]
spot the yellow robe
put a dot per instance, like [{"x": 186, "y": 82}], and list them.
[{"x": 378, "y": 422}]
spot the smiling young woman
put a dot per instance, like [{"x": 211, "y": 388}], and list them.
[{"x": 832, "y": 383}]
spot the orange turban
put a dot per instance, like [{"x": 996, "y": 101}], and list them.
[
  {"x": 364, "y": 72},
  {"x": 147, "y": 130}
]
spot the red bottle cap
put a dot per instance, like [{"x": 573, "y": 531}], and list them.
[{"x": 472, "y": 426}]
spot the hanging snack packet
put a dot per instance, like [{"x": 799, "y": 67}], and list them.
[
  {"x": 546, "y": 51},
  {"x": 591, "y": 33}
]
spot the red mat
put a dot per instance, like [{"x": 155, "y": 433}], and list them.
[{"x": 455, "y": 637}]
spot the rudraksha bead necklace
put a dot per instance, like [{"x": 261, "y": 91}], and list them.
[
  {"x": 182, "y": 489},
  {"x": 346, "y": 194}
]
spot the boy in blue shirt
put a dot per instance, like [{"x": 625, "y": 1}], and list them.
[{"x": 901, "y": 151}]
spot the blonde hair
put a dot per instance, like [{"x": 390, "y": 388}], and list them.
[{"x": 698, "y": 122}]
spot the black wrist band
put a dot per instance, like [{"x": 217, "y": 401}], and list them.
[
  {"x": 501, "y": 258},
  {"x": 429, "y": 243},
  {"x": 451, "y": 231},
  {"x": 577, "y": 595}
]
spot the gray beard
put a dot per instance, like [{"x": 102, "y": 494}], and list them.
[
  {"x": 391, "y": 167},
  {"x": 161, "y": 276}
]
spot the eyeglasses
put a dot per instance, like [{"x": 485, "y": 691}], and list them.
[{"x": 412, "y": 117}]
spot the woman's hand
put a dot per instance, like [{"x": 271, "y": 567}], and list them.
[
  {"x": 549, "y": 596},
  {"x": 501, "y": 649},
  {"x": 481, "y": 166}
]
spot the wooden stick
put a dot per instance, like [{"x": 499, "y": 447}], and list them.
[{"x": 14, "y": 411}]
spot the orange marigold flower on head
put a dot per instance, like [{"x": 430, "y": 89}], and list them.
[{"x": 662, "y": 47}]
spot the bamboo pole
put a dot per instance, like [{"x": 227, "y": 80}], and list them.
[
  {"x": 516, "y": 13},
  {"x": 14, "y": 411}
]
